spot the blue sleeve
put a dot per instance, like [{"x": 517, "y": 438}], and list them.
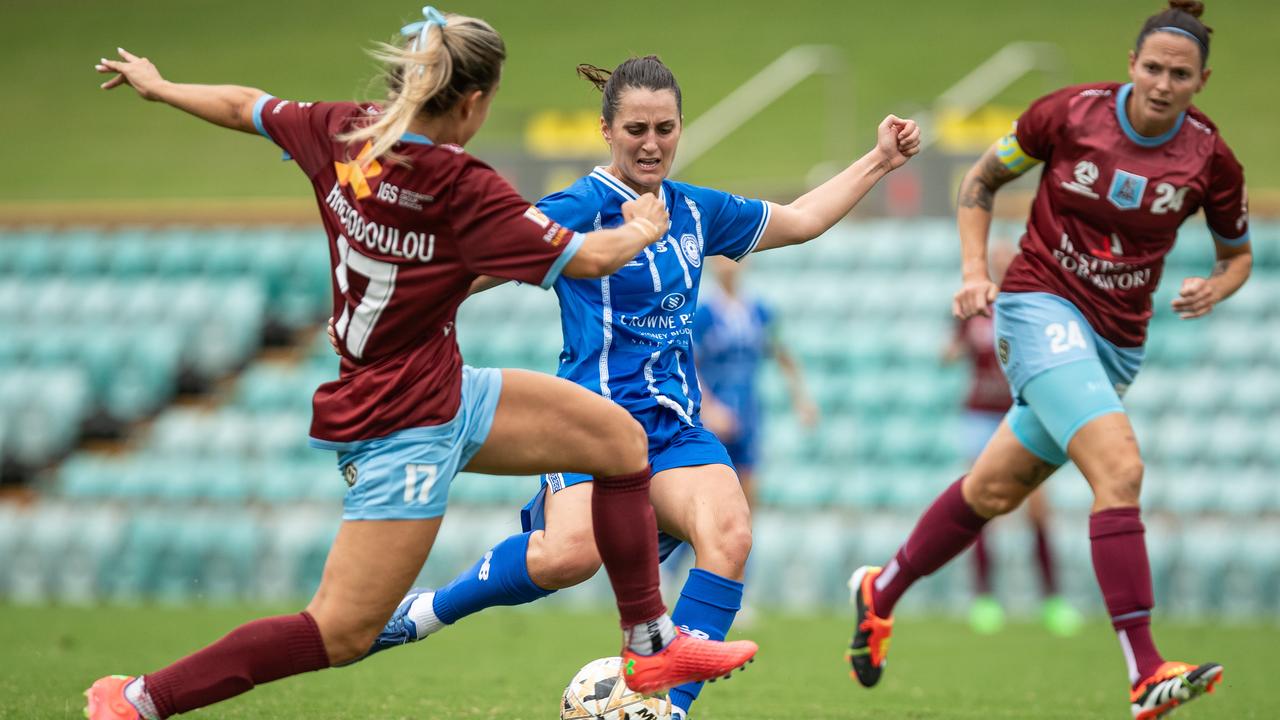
[
  {"x": 730, "y": 225},
  {"x": 573, "y": 208}
]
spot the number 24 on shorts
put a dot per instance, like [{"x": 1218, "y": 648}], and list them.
[{"x": 1064, "y": 337}]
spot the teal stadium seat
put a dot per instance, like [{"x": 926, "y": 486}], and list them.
[
  {"x": 132, "y": 253},
  {"x": 32, "y": 256},
  {"x": 82, "y": 253}
]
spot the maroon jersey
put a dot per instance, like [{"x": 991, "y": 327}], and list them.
[
  {"x": 1110, "y": 203},
  {"x": 988, "y": 387},
  {"x": 405, "y": 242}
]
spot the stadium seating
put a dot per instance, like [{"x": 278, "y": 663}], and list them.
[
  {"x": 136, "y": 315},
  {"x": 224, "y": 499}
]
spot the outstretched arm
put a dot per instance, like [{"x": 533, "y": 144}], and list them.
[
  {"x": 814, "y": 213},
  {"x": 973, "y": 216},
  {"x": 228, "y": 106}
]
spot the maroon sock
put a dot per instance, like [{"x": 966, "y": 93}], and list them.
[
  {"x": 1120, "y": 562},
  {"x": 627, "y": 538},
  {"x": 1044, "y": 557},
  {"x": 943, "y": 532},
  {"x": 252, "y": 654},
  {"x": 981, "y": 566}
]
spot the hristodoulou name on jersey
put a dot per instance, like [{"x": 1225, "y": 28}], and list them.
[
  {"x": 380, "y": 238},
  {"x": 1104, "y": 274}
]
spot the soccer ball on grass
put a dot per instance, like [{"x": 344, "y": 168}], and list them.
[{"x": 597, "y": 692}]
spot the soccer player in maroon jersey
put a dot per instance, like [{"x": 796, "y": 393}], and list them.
[
  {"x": 412, "y": 220},
  {"x": 986, "y": 404},
  {"x": 1124, "y": 166}
]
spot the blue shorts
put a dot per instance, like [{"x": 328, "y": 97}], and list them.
[
  {"x": 1062, "y": 373},
  {"x": 406, "y": 475},
  {"x": 673, "y": 443},
  {"x": 744, "y": 448}
]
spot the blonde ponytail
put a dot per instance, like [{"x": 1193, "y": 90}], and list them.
[{"x": 444, "y": 60}]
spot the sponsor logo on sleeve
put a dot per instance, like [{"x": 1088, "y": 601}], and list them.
[
  {"x": 556, "y": 235},
  {"x": 536, "y": 216},
  {"x": 349, "y": 474},
  {"x": 1002, "y": 348}
]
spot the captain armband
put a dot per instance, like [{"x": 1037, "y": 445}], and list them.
[{"x": 1012, "y": 156}]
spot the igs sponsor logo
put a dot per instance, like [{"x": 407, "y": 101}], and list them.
[{"x": 673, "y": 302}]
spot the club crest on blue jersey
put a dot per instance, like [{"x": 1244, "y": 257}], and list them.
[
  {"x": 689, "y": 244},
  {"x": 1126, "y": 190}
]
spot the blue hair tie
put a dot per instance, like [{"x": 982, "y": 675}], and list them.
[
  {"x": 431, "y": 16},
  {"x": 1180, "y": 31}
]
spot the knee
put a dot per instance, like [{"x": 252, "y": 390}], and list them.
[
  {"x": 1121, "y": 486},
  {"x": 568, "y": 560},
  {"x": 723, "y": 543},
  {"x": 626, "y": 443},
  {"x": 345, "y": 641},
  {"x": 990, "y": 498}
]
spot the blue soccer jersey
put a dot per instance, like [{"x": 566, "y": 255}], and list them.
[
  {"x": 732, "y": 338},
  {"x": 629, "y": 336}
]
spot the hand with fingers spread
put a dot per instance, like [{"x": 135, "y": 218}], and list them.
[
  {"x": 897, "y": 140},
  {"x": 1195, "y": 299},
  {"x": 974, "y": 298},
  {"x": 134, "y": 71}
]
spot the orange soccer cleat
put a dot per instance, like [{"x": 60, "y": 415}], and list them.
[
  {"x": 870, "y": 643},
  {"x": 687, "y": 659},
  {"x": 1171, "y": 685},
  {"x": 106, "y": 700}
]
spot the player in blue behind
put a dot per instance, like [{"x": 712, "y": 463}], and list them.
[
  {"x": 735, "y": 332},
  {"x": 628, "y": 337}
]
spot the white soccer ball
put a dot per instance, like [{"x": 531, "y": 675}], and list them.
[{"x": 597, "y": 692}]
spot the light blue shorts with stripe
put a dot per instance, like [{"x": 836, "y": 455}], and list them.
[
  {"x": 406, "y": 475},
  {"x": 1063, "y": 374}
]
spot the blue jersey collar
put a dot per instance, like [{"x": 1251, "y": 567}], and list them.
[
  {"x": 601, "y": 175},
  {"x": 1122, "y": 98}
]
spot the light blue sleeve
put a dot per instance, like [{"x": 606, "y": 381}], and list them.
[{"x": 730, "y": 225}]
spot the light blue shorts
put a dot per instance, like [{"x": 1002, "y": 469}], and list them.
[
  {"x": 406, "y": 475},
  {"x": 1061, "y": 372},
  {"x": 673, "y": 443}
]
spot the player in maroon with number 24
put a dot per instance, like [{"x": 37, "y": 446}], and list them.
[
  {"x": 412, "y": 220},
  {"x": 1124, "y": 166}
]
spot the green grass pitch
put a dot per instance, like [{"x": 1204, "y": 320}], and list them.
[{"x": 513, "y": 664}]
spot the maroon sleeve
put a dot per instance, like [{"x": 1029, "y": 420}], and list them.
[
  {"x": 501, "y": 234},
  {"x": 1038, "y": 127},
  {"x": 303, "y": 130},
  {"x": 1226, "y": 204}
]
